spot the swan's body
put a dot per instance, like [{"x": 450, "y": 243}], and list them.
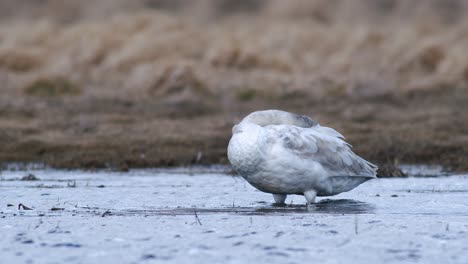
[{"x": 284, "y": 153}]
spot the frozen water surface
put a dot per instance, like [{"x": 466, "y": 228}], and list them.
[{"x": 207, "y": 216}]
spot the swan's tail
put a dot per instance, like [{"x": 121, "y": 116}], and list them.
[{"x": 341, "y": 184}]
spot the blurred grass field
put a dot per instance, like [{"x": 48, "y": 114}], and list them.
[{"x": 119, "y": 84}]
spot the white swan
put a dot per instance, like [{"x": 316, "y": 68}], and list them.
[{"x": 284, "y": 153}]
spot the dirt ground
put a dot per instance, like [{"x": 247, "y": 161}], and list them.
[{"x": 160, "y": 83}]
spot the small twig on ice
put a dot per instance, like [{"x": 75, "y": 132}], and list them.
[
  {"x": 196, "y": 217},
  {"x": 23, "y": 207}
]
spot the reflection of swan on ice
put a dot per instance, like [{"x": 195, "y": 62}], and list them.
[{"x": 283, "y": 153}]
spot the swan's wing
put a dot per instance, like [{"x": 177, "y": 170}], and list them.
[{"x": 323, "y": 145}]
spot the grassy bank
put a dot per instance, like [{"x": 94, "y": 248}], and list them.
[{"x": 157, "y": 83}]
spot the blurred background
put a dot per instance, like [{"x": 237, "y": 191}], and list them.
[{"x": 119, "y": 84}]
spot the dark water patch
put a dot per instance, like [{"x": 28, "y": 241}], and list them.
[
  {"x": 340, "y": 207},
  {"x": 333, "y": 208},
  {"x": 343, "y": 206},
  {"x": 405, "y": 254},
  {"x": 44, "y": 186},
  {"x": 448, "y": 237},
  {"x": 420, "y": 213},
  {"x": 154, "y": 257},
  {"x": 58, "y": 230},
  {"x": 435, "y": 191},
  {"x": 228, "y": 236},
  {"x": 293, "y": 249},
  {"x": 67, "y": 245},
  {"x": 278, "y": 254}
]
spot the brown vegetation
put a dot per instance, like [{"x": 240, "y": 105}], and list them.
[{"x": 153, "y": 82}]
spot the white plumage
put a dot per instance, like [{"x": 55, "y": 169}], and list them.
[{"x": 283, "y": 153}]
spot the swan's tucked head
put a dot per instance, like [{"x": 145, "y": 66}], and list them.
[
  {"x": 245, "y": 147},
  {"x": 244, "y": 127},
  {"x": 277, "y": 117}
]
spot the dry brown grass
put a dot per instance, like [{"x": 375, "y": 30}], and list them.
[{"x": 165, "y": 80}]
